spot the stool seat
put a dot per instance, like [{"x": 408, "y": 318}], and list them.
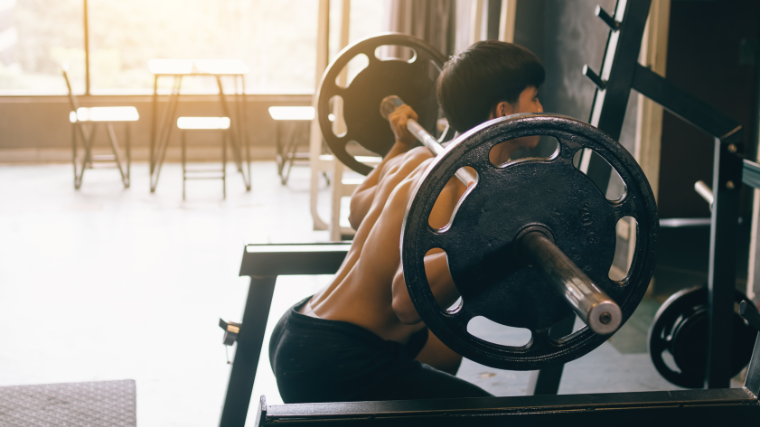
[
  {"x": 294, "y": 113},
  {"x": 104, "y": 114},
  {"x": 295, "y": 118},
  {"x": 203, "y": 123},
  {"x": 221, "y": 124}
]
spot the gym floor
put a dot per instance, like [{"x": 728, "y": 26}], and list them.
[{"x": 106, "y": 284}]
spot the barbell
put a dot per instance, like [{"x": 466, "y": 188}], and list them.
[
  {"x": 590, "y": 303},
  {"x": 531, "y": 242}
]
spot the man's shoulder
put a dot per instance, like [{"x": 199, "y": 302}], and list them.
[{"x": 420, "y": 152}]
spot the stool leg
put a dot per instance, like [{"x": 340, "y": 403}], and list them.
[
  {"x": 224, "y": 165},
  {"x": 74, "y": 154},
  {"x": 127, "y": 139},
  {"x": 184, "y": 177}
]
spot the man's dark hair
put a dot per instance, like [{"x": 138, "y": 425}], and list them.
[{"x": 475, "y": 80}]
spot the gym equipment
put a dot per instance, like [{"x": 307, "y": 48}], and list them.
[
  {"x": 696, "y": 408},
  {"x": 591, "y": 304},
  {"x": 621, "y": 72},
  {"x": 413, "y": 80},
  {"x": 231, "y": 331},
  {"x": 389, "y": 105},
  {"x": 680, "y": 328},
  {"x": 264, "y": 263},
  {"x": 499, "y": 219}
]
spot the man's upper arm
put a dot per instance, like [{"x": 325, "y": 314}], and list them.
[{"x": 436, "y": 265}]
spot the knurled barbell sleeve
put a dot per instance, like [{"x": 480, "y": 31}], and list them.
[{"x": 590, "y": 303}]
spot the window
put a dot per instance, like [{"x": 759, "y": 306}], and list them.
[
  {"x": 368, "y": 17},
  {"x": 276, "y": 39},
  {"x": 36, "y": 38}
]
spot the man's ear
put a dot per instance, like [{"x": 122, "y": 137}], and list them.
[{"x": 503, "y": 108}]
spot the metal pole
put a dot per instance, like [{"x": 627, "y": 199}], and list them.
[
  {"x": 86, "y": 51},
  {"x": 705, "y": 191},
  {"x": 590, "y": 303}
]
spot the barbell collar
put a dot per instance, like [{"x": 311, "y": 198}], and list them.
[{"x": 590, "y": 303}]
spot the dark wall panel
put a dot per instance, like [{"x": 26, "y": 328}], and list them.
[{"x": 566, "y": 35}]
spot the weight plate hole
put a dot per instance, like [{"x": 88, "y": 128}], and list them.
[
  {"x": 395, "y": 53},
  {"x": 436, "y": 262},
  {"x": 626, "y": 231},
  {"x": 441, "y": 218},
  {"x": 351, "y": 70},
  {"x": 536, "y": 147},
  {"x": 454, "y": 308},
  {"x": 496, "y": 333},
  {"x": 338, "y": 123},
  {"x": 613, "y": 187},
  {"x": 670, "y": 362}
]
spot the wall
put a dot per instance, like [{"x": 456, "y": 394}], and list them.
[
  {"x": 37, "y": 128},
  {"x": 567, "y": 35}
]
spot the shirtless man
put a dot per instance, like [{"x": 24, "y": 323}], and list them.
[{"x": 361, "y": 338}]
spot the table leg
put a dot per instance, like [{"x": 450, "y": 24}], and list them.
[
  {"x": 233, "y": 125},
  {"x": 153, "y": 125},
  {"x": 74, "y": 153},
  {"x": 236, "y": 144},
  {"x": 128, "y": 139},
  {"x": 117, "y": 154},
  {"x": 244, "y": 125},
  {"x": 165, "y": 131}
]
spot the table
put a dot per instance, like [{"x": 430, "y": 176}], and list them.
[{"x": 161, "y": 130}]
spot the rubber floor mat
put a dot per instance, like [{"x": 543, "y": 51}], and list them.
[{"x": 94, "y": 404}]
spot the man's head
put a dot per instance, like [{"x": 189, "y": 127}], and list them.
[{"x": 487, "y": 80}]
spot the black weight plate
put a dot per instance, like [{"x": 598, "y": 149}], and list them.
[
  {"x": 680, "y": 327},
  {"x": 479, "y": 243},
  {"x": 413, "y": 81}
]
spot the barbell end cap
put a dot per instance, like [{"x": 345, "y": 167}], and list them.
[
  {"x": 605, "y": 317},
  {"x": 588, "y": 72},
  {"x": 389, "y": 104}
]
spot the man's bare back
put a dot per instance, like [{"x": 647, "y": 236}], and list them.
[
  {"x": 361, "y": 337},
  {"x": 369, "y": 289},
  {"x": 362, "y": 290}
]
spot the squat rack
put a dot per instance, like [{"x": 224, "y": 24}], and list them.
[
  {"x": 264, "y": 263},
  {"x": 621, "y": 72}
]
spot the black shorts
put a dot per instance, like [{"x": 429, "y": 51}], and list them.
[{"x": 320, "y": 360}]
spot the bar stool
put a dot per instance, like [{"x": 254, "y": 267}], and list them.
[
  {"x": 296, "y": 120},
  {"x": 221, "y": 124},
  {"x": 85, "y": 122}
]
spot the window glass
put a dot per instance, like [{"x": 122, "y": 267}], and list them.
[
  {"x": 275, "y": 39},
  {"x": 368, "y": 18},
  {"x": 36, "y": 38}
]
